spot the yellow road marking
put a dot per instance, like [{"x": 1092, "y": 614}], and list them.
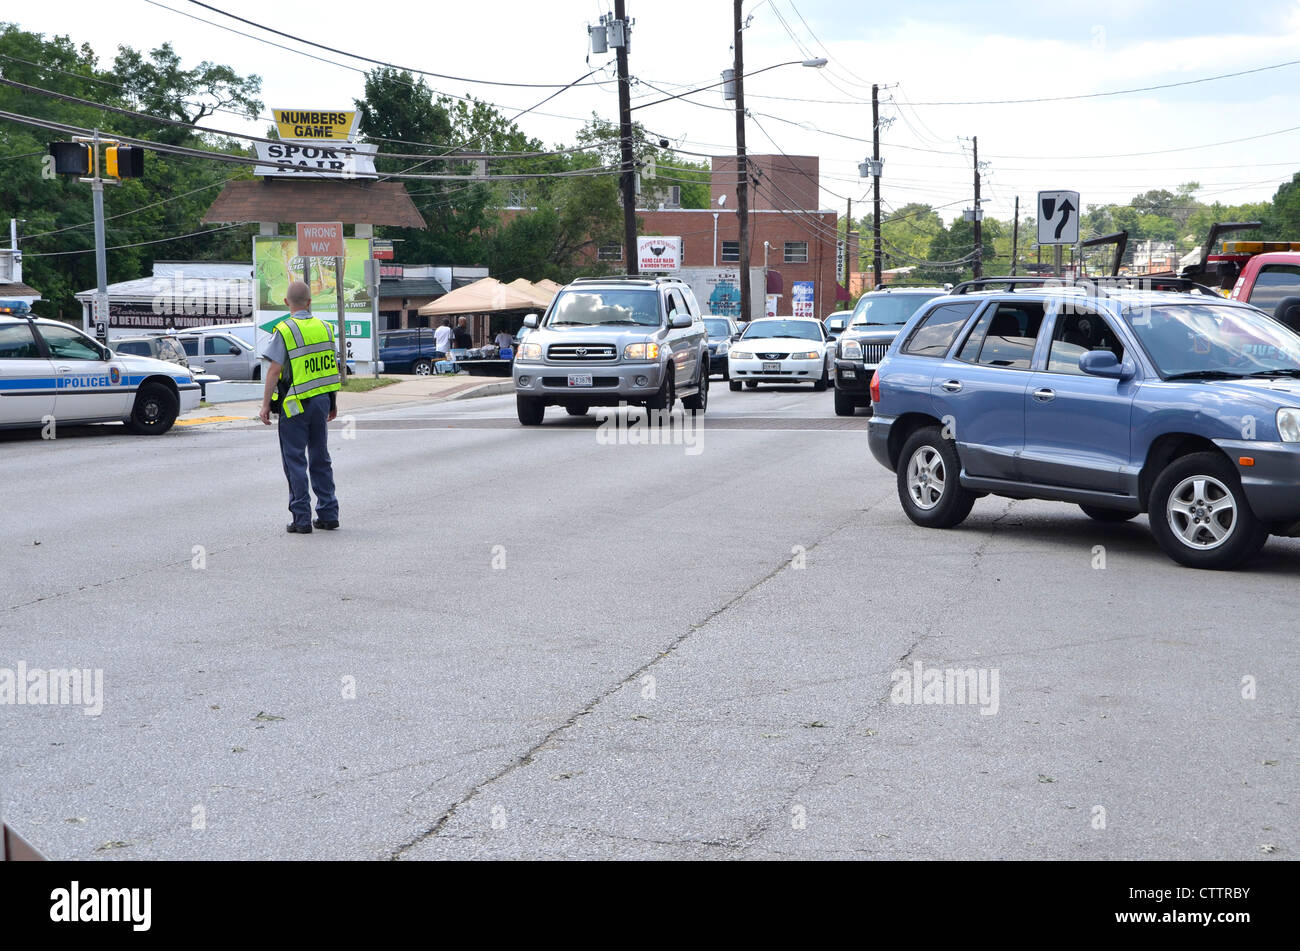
[{"x": 209, "y": 419}]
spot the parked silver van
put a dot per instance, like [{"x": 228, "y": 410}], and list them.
[{"x": 221, "y": 354}]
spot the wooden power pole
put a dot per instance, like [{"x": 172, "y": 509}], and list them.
[
  {"x": 627, "y": 177},
  {"x": 1015, "y": 237},
  {"x": 979, "y": 225},
  {"x": 742, "y": 169},
  {"x": 875, "y": 170}
]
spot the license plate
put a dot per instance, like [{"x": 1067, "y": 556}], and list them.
[
  {"x": 579, "y": 379},
  {"x": 771, "y": 367}
]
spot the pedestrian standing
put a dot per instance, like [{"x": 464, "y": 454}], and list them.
[
  {"x": 303, "y": 380},
  {"x": 463, "y": 340},
  {"x": 442, "y": 338}
]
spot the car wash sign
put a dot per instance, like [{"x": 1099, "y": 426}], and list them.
[{"x": 657, "y": 253}]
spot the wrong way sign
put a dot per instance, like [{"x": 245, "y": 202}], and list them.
[{"x": 1058, "y": 217}]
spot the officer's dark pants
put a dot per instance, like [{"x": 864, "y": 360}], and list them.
[{"x": 306, "y": 456}]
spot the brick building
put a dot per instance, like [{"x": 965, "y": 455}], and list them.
[{"x": 789, "y": 236}]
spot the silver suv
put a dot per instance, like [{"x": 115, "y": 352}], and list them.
[{"x": 612, "y": 340}]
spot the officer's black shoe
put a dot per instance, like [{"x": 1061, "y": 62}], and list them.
[
  {"x": 328, "y": 526},
  {"x": 295, "y": 529}
]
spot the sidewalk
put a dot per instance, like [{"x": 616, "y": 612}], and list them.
[{"x": 413, "y": 390}]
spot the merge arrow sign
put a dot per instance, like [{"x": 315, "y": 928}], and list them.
[
  {"x": 1058, "y": 218},
  {"x": 1066, "y": 208}
]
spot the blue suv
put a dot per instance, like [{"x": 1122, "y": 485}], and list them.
[{"x": 1121, "y": 396}]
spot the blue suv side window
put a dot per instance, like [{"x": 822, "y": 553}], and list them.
[
  {"x": 1005, "y": 336},
  {"x": 938, "y": 329},
  {"x": 1077, "y": 333}
]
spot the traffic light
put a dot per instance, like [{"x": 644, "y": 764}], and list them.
[
  {"x": 72, "y": 158},
  {"x": 124, "y": 161}
]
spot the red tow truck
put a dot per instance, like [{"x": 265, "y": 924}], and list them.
[{"x": 1263, "y": 273}]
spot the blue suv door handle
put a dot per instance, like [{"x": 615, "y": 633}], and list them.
[
  {"x": 953, "y": 386},
  {"x": 1044, "y": 395}
]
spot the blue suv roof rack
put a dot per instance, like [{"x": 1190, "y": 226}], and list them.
[{"x": 1099, "y": 283}]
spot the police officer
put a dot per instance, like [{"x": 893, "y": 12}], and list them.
[{"x": 303, "y": 378}]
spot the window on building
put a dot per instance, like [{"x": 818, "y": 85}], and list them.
[
  {"x": 796, "y": 252},
  {"x": 609, "y": 252},
  {"x": 730, "y": 251}
]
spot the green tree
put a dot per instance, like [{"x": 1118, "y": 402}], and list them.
[{"x": 56, "y": 234}]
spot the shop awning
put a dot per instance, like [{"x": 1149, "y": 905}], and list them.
[
  {"x": 484, "y": 296},
  {"x": 539, "y": 294}
]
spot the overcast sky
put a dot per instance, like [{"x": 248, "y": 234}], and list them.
[{"x": 921, "y": 53}]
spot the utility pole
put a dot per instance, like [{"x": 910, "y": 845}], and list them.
[
  {"x": 848, "y": 230},
  {"x": 101, "y": 262},
  {"x": 1015, "y": 237},
  {"x": 875, "y": 199},
  {"x": 979, "y": 225},
  {"x": 627, "y": 179},
  {"x": 742, "y": 169}
]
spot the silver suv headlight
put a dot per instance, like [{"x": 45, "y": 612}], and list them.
[
  {"x": 1288, "y": 424},
  {"x": 641, "y": 351},
  {"x": 529, "y": 351},
  {"x": 851, "y": 350}
]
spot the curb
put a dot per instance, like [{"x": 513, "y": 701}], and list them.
[
  {"x": 495, "y": 388},
  {"x": 500, "y": 388}
]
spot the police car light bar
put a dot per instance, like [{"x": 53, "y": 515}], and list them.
[{"x": 17, "y": 308}]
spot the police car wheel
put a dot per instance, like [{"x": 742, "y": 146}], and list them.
[{"x": 156, "y": 408}]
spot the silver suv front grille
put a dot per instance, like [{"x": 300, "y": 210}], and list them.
[
  {"x": 581, "y": 352},
  {"x": 874, "y": 352}
]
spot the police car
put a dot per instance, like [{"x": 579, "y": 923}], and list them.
[{"x": 51, "y": 371}]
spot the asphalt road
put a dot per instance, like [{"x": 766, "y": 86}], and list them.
[{"x": 553, "y": 643}]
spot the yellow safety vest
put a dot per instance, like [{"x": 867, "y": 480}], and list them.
[{"x": 313, "y": 366}]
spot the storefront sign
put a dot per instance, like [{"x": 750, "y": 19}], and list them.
[
  {"x": 316, "y": 124},
  {"x": 658, "y": 253},
  {"x": 312, "y": 160}
]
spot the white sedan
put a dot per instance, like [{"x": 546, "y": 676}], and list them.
[{"x": 782, "y": 350}]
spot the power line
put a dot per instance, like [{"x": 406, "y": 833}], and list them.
[
  {"x": 138, "y": 244},
  {"x": 1114, "y": 92},
  {"x": 330, "y": 62},
  {"x": 464, "y": 156},
  {"x": 164, "y": 201},
  {"x": 380, "y": 62},
  {"x": 245, "y": 160},
  {"x": 263, "y": 118}
]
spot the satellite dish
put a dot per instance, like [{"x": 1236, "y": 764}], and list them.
[{"x": 722, "y": 200}]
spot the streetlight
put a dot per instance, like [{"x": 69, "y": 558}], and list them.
[
  {"x": 734, "y": 88},
  {"x": 737, "y": 89}
]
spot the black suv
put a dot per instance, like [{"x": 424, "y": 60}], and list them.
[{"x": 877, "y": 318}]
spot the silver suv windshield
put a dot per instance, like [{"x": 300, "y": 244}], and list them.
[
  {"x": 887, "y": 310},
  {"x": 1210, "y": 342},
  {"x": 591, "y": 308}
]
